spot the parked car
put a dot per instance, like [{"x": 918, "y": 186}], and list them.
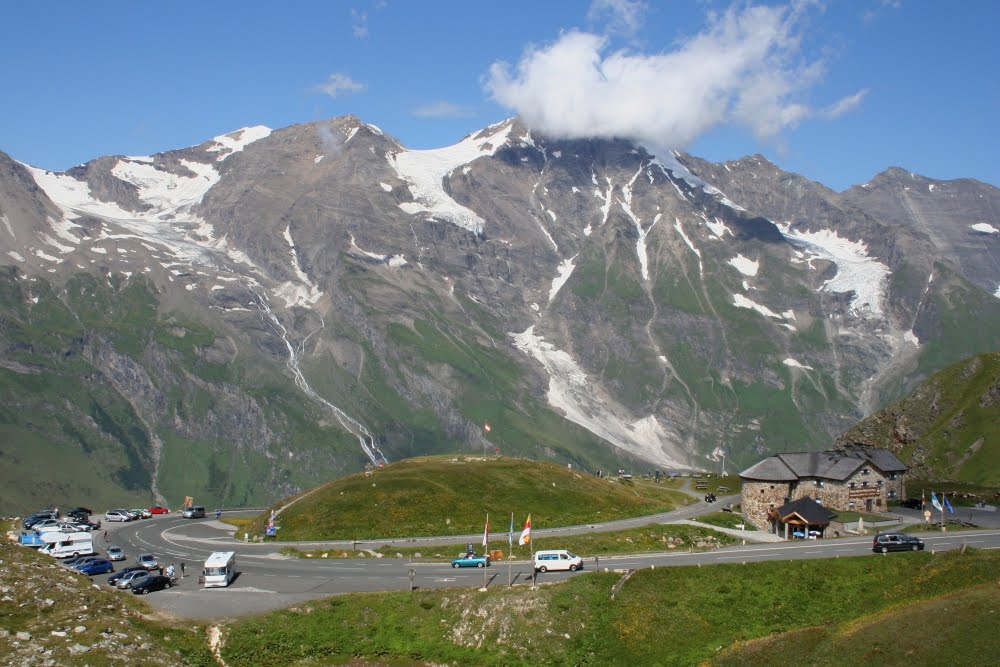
[
  {"x": 117, "y": 515},
  {"x": 79, "y": 560},
  {"x": 35, "y": 517},
  {"x": 557, "y": 559},
  {"x": 116, "y": 553},
  {"x": 153, "y": 582},
  {"x": 117, "y": 576},
  {"x": 46, "y": 524},
  {"x": 99, "y": 566},
  {"x": 885, "y": 542},
  {"x": 148, "y": 561},
  {"x": 80, "y": 510},
  {"x": 912, "y": 503},
  {"x": 471, "y": 560},
  {"x": 156, "y": 509},
  {"x": 85, "y": 525},
  {"x": 141, "y": 513},
  {"x": 130, "y": 577}
]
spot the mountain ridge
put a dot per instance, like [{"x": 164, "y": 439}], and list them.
[{"x": 596, "y": 303}]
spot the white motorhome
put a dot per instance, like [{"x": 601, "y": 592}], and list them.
[
  {"x": 70, "y": 545},
  {"x": 220, "y": 568}
]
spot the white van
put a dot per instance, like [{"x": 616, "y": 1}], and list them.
[
  {"x": 557, "y": 559},
  {"x": 70, "y": 546},
  {"x": 220, "y": 568}
]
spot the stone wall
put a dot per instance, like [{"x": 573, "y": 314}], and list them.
[{"x": 758, "y": 497}]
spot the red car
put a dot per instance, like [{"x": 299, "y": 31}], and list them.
[{"x": 158, "y": 510}]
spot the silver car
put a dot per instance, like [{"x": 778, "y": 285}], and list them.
[{"x": 127, "y": 578}]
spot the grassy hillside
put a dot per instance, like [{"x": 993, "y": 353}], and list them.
[
  {"x": 667, "y": 616},
  {"x": 450, "y": 495},
  {"x": 948, "y": 429},
  {"x": 70, "y": 622}
]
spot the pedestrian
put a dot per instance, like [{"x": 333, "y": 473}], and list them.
[
  {"x": 246, "y": 537},
  {"x": 105, "y": 536},
  {"x": 182, "y": 568},
  {"x": 161, "y": 570}
]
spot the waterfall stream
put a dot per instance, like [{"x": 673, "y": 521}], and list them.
[{"x": 350, "y": 424}]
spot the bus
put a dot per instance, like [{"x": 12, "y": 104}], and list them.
[{"x": 220, "y": 568}]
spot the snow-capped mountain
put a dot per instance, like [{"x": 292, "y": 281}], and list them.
[{"x": 284, "y": 305}]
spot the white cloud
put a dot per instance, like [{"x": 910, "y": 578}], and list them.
[
  {"x": 442, "y": 110},
  {"x": 359, "y": 23},
  {"x": 744, "y": 68},
  {"x": 844, "y": 104},
  {"x": 623, "y": 16},
  {"x": 338, "y": 84}
]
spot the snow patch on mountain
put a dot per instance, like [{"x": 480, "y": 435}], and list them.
[
  {"x": 741, "y": 301},
  {"x": 745, "y": 266},
  {"x": 394, "y": 261},
  {"x": 717, "y": 227},
  {"x": 234, "y": 142},
  {"x": 425, "y": 172},
  {"x": 563, "y": 272},
  {"x": 672, "y": 164},
  {"x": 792, "y": 363},
  {"x": 984, "y": 228},
  {"x": 857, "y": 271},
  {"x": 15, "y": 255},
  {"x": 571, "y": 392},
  {"x": 166, "y": 192}
]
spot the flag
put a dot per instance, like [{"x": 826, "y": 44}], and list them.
[
  {"x": 947, "y": 504},
  {"x": 526, "y": 533},
  {"x": 486, "y": 427},
  {"x": 510, "y": 533},
  {"x": 486, "y": 531},
  {"x": 935, "y": 502},
  {"x": 923, "y": 499}
]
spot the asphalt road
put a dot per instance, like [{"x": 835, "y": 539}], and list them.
[{"x": 267, "y": 580}]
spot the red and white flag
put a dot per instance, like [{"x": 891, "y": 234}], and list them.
[
  {"x": 526, "y": 533},
  {"x": 486, "y": 531},
  {"x": 486, "y": 427}
]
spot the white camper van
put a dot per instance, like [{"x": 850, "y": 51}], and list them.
[
  {"x": 70, "y": 545},
  {"x": 557, "y": 559},
  {"x": 220, "y": 568}
]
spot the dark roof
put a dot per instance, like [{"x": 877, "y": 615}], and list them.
[
  {"x": 808, "y": 509},
  {"x": 835, "y": 465},
  {"x": 771, "y": 469},
  {"x": 882, "y": 459}
]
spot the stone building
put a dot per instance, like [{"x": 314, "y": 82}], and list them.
[{"x": 860, "y": 478}]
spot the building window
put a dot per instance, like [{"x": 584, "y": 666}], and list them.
[
  {"x": 818, "y": 483},
  {"x": 892, "y": 476},
  {"x": 864, "y": 483},
  {"x": 865, "y": 471},
  {"x": 852, "y": 485},
  {"x": 892, "y": 493},
  {"x": 850, "y": 504},
  {"x": 879, "y": 483}
]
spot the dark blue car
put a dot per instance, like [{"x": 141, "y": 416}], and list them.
[{"x": 99, "y": 566}]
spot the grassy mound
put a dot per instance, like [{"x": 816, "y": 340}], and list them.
[
  {"x": 450, "y": 495},
  {"x": 874, "y": 608}
]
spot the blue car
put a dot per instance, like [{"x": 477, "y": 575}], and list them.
[
  {"x": 99, "y": 566},
  {"x": 471, "y": 560}
]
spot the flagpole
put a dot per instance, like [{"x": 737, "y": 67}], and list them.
[
  {"x": 486, "y": 548},
  {"x": 510, "y": 551}
]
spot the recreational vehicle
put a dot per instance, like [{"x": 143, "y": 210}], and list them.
[{"x": 220, "y": 568}]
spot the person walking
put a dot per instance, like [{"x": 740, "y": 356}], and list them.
[{"x": 182, "y": 568}]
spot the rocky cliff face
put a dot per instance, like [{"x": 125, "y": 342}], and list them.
[{"x": 305, "y": 300}]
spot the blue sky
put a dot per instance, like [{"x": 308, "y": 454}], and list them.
[{"x": 835, "y": 91}]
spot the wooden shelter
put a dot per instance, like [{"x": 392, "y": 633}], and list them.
[{"x": 802, "y": 518}]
